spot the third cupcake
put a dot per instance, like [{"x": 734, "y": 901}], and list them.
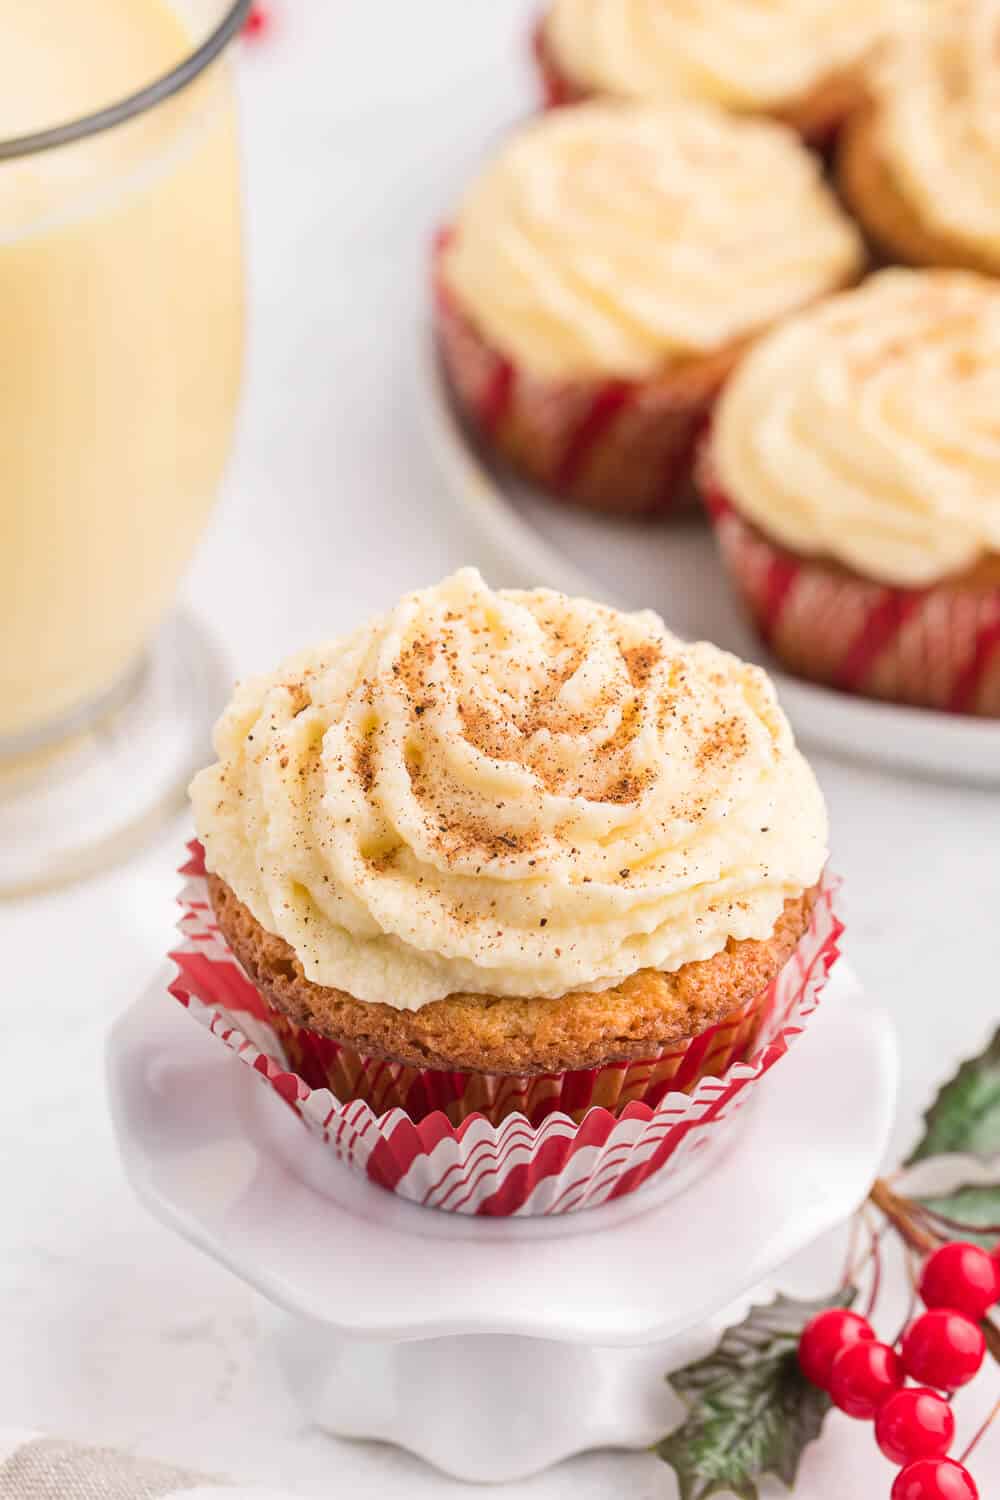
[
  {"x": 853, "y": 474},
  {"x": 604, "y": 273},
  {"x": 802, "y": 63},
  {"x": 920, "y": 166}
]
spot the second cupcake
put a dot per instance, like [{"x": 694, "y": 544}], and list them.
[
  {"x": 603, "y": 275},
  {"x": 854, "y": 477}
]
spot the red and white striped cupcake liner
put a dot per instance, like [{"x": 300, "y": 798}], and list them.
[
  {"x": 385, "y": 1084},
  {"x": 619, "y": 446},
  {"x": 557, "y": 87},
  {"x": 566, "y": 1148},
  {"x": 935, "y": 647}
]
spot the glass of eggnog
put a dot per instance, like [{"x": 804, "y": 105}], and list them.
[{"x": 121, "y": 328}]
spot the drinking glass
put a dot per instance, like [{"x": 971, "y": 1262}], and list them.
[{"x": 121, "y": 309}]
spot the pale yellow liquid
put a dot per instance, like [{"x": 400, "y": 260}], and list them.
[{"x": 120, "y": 344}]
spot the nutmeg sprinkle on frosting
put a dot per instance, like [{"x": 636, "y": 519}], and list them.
[{"x": 508, "y": 793}]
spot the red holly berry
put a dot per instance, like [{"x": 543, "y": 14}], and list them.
[
  {"x": 824, "y": 1337},
  {"x": 256, "y": 22},
  {"x": 915, "y": 1423},
  {"x": 943, "y": 1348},
  {"x": 934, "y": 1479},
  {"x": 961, "y": 1276},
  {"x": 864, "y": 1376}
]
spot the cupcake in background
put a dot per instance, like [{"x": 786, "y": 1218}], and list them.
[
  {"x": 920, "y": 164},
  {"x": 509, "y": 852},
  {"x": 604, "y": 273},
  {"x": 853, "y": 474},
  {"x": 798, "y": 61}
]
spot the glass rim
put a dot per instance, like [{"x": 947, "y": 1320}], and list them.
[{"x": 185, "y": 72}]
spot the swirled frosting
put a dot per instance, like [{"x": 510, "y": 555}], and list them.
[
  {"x": 740, "y": 54},
  {"x": 508, "y": 793},
  {"x": 615, "y": 239},
  {"x": 868, "y": 429},
  {"x": 938, "y": 119}
]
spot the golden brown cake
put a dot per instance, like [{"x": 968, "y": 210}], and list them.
[
  {"x": 854, "y": 477},
  {"x": 604, "y": 273},
  {"x": 801, "y": 64},
  {"x": 488, "y": 1034},
  {"x": 919, "y": 163},
  {"x": 507, "y": 834}
]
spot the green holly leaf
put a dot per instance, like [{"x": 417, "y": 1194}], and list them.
[
  {"x": 751, "y": 1411},
  {"x": 976, "y": 1206},
  {"x": 965, "y": 1116}
]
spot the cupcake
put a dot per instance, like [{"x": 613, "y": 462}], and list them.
[
  {"x": 507, "y": 852},
  {"x": 604, "y": 273},
  {"x": 801, "y": 63},
  {"x": 853, "y": 473},
  {"x": 920, "y": 164}
]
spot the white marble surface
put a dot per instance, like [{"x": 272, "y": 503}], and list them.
[{"x": 361, "y": 118}]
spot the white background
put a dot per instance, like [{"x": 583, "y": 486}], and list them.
[{"x": 361, "y": 121}]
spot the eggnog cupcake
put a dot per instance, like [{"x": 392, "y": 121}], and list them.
[
  {"x": 854, "y": 476},
  {"x": 920, "y": 166},
  {"x": 798, "y": 61},
  {"x": 504, "y": 851},
  {"x": 604, "y": 273}
]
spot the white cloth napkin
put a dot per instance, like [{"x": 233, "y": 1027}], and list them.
[{"x": 36, "y": 1467}]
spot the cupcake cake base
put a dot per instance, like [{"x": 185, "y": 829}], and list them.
[
  {"x": 629, "y": 1044},
  {"x": 570, "y": 1154}
]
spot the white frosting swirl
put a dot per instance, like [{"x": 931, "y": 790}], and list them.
[
  {"x": 508, "y": 793},
  {"x": 938, "y": 119},
  {"x": 868, "y": 429},
  {"x": 615, "y": 239},
  {"x": 740, "y": 54}
]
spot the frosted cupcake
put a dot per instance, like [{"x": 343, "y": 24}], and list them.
[
  {"x": 920, "y": 166},
  {"x": 802, "y": 63},
  {"x": 506, "y": 852},
  {"x": 603, "y": 275},
  {"x": 854, "y": 476}
]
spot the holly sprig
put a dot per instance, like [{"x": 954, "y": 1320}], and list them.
[{"x": 750, "y": 1409}]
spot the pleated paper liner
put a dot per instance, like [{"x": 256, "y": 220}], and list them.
[
  {"x": 578, "y": 1139},
  {"x": 557, "y": 87},
  {"x": 350, "y": 1075},
  {"x": 618, "y": 446},
  {"x": 936, "y": 647}
]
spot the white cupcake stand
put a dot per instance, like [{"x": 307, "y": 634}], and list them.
[{"x": 494, "y": 1348}]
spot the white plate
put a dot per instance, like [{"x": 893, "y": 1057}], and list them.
[
  {"x": 493, "y": 1348},
  {"x": 222, "y": 1159},
  {"x": 674, "y": 569}
]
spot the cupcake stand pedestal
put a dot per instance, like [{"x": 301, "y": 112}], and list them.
[{"x": 494, "y": 1347}]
